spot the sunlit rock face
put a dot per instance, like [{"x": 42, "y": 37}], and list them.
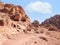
[
  {"x": 13, "y": 16},
  {"x": 52, "y": 23}
]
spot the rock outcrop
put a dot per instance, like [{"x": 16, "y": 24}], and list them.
[{"x": 13, "y": 16}]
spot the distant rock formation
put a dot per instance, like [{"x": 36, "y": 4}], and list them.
[
  {"x": 53, "y": 23},
  {"x": 35, "y": 23}
]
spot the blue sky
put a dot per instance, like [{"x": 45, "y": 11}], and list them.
[{"x": 38, "y": 9}]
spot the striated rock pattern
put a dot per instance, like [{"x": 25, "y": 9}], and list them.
[{"x": 16, "y": 28}]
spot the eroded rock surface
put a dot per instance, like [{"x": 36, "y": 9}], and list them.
[{"x": 13, "y": 16}]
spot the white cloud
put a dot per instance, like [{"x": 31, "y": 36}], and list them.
[{"x": 40, "y": 7}]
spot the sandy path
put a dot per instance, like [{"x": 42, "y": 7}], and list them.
[{"x": 29, "y": 39}]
